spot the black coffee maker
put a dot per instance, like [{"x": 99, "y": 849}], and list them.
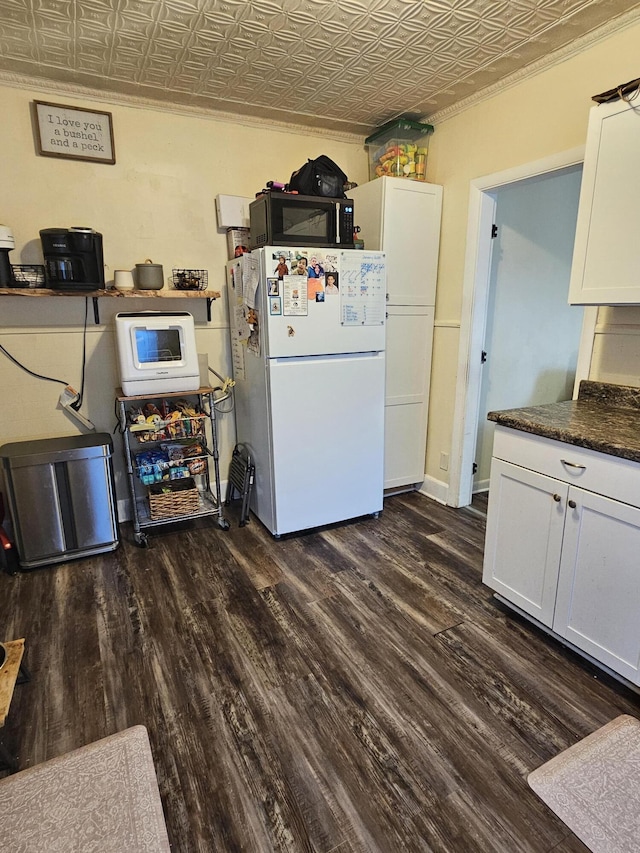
[{"x": 73, "y": 258}]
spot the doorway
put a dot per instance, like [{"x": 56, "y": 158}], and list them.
[
  {"x": 532, "y": 334},
  {"x": 522, "y": 230}
]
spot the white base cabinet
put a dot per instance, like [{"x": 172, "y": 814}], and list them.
[
  {"x": 563, "y": 544},
  {"x": 598, "y": 601},
  {"x": 408, "y": 375},
  {"x": 524, "y": 538}
]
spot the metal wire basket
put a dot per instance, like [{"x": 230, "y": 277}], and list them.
[
  {"x": 27, "y": 275},
  {"x": 190, "y": 279}
]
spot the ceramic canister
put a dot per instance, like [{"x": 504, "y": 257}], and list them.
[
  {"x": 149, "y": 276},
  {"x": 123, "y": 279}
]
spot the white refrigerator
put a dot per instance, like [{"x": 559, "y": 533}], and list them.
[{"x": 308, "y": 339}]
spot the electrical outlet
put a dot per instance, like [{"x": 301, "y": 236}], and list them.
[{"x": 444, "y": 461}]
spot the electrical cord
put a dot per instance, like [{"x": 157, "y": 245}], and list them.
[
  {"x": 70, "y": 399},
  {"x": 215, "y": 373},
  {"x": 30, "y": 372},
  {"x": 78, "y": 403},
  {"x": 227, "y": 394},
  {"x": 116, "y": 411}
]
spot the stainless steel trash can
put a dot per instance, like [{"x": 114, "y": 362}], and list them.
[{"x": 61, "y": 496}]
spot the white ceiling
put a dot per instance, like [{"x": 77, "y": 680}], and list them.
[{"x": 346, "y": 65}]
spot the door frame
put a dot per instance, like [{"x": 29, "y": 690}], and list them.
[{"x": 473, "y": 320}]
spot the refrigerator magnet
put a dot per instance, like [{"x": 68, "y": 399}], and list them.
[
  {"x": 274, "y": 286},
  {"x": 313, "y": 286},
  {"x": 275, "y": 305},
  {"x": 294, "y": 296},
  {"x": 331, "y": 283},
  {"x": 282, "y": 267}
]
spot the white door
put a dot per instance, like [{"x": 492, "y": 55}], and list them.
[
  {"x": 525, "y": 520},
  {"x": 598, "y": 603},
  {"x": 327, "y": 416}
]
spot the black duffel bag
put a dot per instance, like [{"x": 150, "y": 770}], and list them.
[{"x": 319, "y": 177}]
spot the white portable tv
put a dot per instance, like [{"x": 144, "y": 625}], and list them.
[{"x": 157, "y": 352}]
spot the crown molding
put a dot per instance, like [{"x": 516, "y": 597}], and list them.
[
  {"x": 580, "y": 44},
  {"x": 18, "y": 80}
]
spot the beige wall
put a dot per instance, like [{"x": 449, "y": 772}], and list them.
[
  {"x": 157, "y": 201},
  {"x": 536, "y": 118}
]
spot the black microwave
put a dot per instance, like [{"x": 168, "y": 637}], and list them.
[{"x": 286, "y": 219}]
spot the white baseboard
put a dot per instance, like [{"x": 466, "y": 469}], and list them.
[
  {"x": 480, "y": 486},
  {"x": 435, "y": 489}
]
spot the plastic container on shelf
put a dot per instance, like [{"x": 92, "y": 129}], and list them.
[{"x": 399, "y": 149}]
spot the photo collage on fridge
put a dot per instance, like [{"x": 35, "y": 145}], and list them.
[{"x": 319, "y": 267}]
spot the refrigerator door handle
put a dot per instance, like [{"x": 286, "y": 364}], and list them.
[{"x": 293, "y": 359}]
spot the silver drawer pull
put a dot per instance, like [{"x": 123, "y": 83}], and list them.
[{"x": 572, "y": 464}]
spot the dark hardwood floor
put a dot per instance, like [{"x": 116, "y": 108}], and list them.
[{"x": 352, "y": 689}]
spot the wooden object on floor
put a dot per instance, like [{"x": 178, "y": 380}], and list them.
[
  {"x": 9, "y": 675},
  {"x": 103, "y": 796},
  {"x": 594, "y": 786}
]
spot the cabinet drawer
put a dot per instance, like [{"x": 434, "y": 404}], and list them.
[{"x": 596, "y": 472}]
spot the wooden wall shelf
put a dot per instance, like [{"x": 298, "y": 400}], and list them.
[{"x": 209, "y": 295}]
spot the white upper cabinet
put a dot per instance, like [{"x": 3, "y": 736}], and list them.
[
  {"x": 606, "y": 259},
  {"x": 402, "y": 218}
]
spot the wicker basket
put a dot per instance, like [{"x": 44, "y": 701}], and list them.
[{"x": 169, "y": 499}]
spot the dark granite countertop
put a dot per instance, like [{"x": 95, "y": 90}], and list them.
[{"x": 605, "y": 418}]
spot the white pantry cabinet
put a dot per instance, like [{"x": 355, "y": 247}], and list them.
[
  {"x": 606, "y": 265},
  {"x": 402, "y": 218},
  {"x": 563, "y": 544}
]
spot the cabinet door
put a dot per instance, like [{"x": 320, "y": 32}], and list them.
[
  {"x": 524, "y": 538},
  {"x": 411, "y": 239},
  {"x": 605, "y": 268},
  {"x": 598, "y": 602},
  {"x": 402, "y": 218},
  {"x": 408, "y": 374}
]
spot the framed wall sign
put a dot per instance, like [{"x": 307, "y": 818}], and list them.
[{"x": 77, "y": 134}]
